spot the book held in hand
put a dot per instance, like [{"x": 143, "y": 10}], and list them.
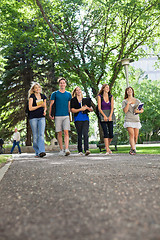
[
  {"x": 39, "y": 102},
  {"x": 140, "y": 106}
]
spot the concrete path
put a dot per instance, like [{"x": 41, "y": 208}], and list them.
[{"x": 115, "y": 197}]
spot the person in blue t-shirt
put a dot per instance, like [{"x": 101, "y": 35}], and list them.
[
  {"x": 62, "y": 108},
  {"x": 81, "y": 107}
]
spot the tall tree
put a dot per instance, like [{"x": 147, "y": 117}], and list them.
[
  {"x": 16, "y": 81},
  {"x": 27, "y": 56},
  {"x": 92, "y": 36}
]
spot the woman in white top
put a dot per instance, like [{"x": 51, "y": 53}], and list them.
[{"x": 132, "y": 121}]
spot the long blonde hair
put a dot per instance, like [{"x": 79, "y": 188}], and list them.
[
  {"x": 74, "y": 92},
  {"x": 31, "y": 90}
]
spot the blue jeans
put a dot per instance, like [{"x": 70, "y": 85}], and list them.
[
  {"x": 38, "y": 128},
  {"x": 82, "y": 128},
  {"x": 16, "y": 144}
]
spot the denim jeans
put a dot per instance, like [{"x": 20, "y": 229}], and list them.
[
  {"x": 38, "y": 128},
  {"x": 82, "y": 130},
  {"x": 16, "y": 144}
]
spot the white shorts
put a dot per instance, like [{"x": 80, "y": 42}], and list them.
[
  {"x": 132, "y": 125},
  {"x": 62, "y": 123}
]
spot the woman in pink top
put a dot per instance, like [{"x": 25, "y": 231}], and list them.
[{"x": 106, "y": 107}]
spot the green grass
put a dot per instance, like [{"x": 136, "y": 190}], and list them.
[
  {"x": 140, "y": 149},
  {"x": 8, "y": 145},
  {"x": 3, "y": 159}
]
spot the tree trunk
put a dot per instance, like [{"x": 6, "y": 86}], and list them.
[
  {"x": 28, "y": 78},
  {"x": 140, "y": 140},
  {"x": 29, "y": 133},
  {"x": 150, "y": 135}
]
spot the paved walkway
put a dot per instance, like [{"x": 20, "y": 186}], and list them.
[{"x": 115, "y": 197}]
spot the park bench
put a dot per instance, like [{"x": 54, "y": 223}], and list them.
[{"x": 114, "y": 142}]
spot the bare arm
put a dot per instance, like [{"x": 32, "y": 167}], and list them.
[
  {"x": 125, "y": 109},
  {"x": 32, "y": 108},
  {"x": 90, "y": 109},
  {"x": 50, "y": 109},
  {"x": 112, "y": 109},
  {"x": 139, "y": 111},
  {"x": 69, "y": 108},
  {"x": 45, "y": 107}
]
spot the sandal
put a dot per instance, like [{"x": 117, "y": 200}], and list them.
[
  {"x": 132, "y": 152},
  {"x": 107, "y": 153},
  {"x": 110, "y": 152}
]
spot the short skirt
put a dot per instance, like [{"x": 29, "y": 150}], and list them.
[{"x": 132, "y": 125}]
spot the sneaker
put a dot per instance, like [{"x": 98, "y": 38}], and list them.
[
  {"x": 61, "y": 153},
  {"x": 87, "y": 153},
  {"x": 67, "y": 152},
  {"x": 80, "y": 153}
]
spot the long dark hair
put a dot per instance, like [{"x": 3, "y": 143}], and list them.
[
  {"x": 126, "y": 95},
  {"x": 102, "y": 90}
]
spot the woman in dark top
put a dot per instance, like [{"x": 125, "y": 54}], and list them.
[
  {"x": 37, "y": 113},
  {"x": 106, "y": 107},
  {"x": 80, "y": 107}
]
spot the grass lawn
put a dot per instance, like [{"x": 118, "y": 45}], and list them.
[
  {"x": 3, "y": 159},
  {"x": 140, "y": 149}
]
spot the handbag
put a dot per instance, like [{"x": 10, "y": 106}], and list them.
[{"x": 107, "y": 113}]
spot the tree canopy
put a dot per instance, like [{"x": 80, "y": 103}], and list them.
[
  {"x": 92, "y": 36},
  {"x": 26, "y": 57}
]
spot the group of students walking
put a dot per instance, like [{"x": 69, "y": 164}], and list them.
[{"x": 65, "y": 102}]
